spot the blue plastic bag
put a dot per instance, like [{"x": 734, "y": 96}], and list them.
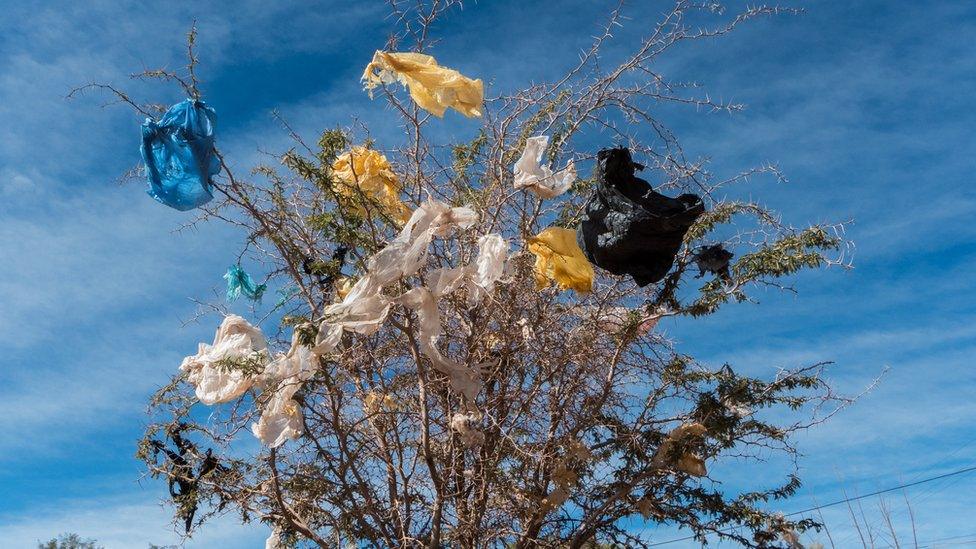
[
  {"x": 179, "y": 155},
  {"x": 239, "y": 282}
]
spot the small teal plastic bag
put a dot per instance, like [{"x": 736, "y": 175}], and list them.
[
  {"x": 179, "y": 155},
  {"x": 239, "y": 282}
]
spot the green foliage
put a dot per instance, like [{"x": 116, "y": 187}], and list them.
[
  {"x": 782, "y": 257},
  {"x": 69, "y": 541}
]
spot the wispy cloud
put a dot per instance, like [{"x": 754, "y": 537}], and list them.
[{"x": 864, "y": 105}]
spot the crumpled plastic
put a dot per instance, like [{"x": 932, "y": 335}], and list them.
[
  {"x": 558, "y": 258},
  {"x": 367, "y": 172},
  {"x": 465, "y": 424},
  {"x": 714, "y": 259},
  {"x": 235, "y": 339},
  {"x": 480, "y": 277},
  {"x": 239, "y": 282},
  {"x": 628, "y": 228},
  {"x": 688, "y": 434},
  {"x": 274, "y": 540},
  {"x": 565, "y": 477},
  {"x": 531, "y": 174},
  {"x": 648, "y": 508},
  {"x": 432, "y": 87},
  {"x": 375, "y": 403},
  {"x": 488, "y": 267},
  {"x": 281, "y": 417},
  {"x": 179, "y": 155},
  {"x": 364, "y": 308}
]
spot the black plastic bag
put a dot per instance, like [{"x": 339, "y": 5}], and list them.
[
  {"x": 714, "y": 259},
  {"x": 628, "y": 228}
]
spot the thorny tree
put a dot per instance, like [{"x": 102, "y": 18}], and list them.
[{"x": 575, "y": 409}]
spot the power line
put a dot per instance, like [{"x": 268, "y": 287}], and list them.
[{"x": 842, "y": 501}]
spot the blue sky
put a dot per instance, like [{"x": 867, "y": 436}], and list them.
[{"x": 865, "y": 105}]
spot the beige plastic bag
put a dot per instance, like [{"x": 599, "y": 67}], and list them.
[
  {"x": 688, "y": 461},
  {"x": 281, "y": 418}
]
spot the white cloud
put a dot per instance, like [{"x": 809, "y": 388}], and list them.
[{"x": 129, "y": 521}]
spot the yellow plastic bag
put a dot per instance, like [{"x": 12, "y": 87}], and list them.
[
  {"x": 432, "y": 87},
  {"x": 363, "y": 171},
  {"x": 558, "y": 258}
]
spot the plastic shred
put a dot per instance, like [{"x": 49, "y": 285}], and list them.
[
  {"x": 465, "y": 424},
  {"x": 628, "y": 228},
  {"x": 179, "y": 155},
  {"x": 432, "y": 87},
  {"x": 531, "y": 174},
  {"x": 239, "y": 282}
]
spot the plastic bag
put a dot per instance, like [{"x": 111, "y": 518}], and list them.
[
  {"x": 677, "y": 450},
  {"x": 362, "y": 171},
  {"x": 281, "y": 418},
  {"x": 628, "y": 228},
  {"x": 714, "y": 259},
  {"x": 236, "y": 339},
  {"x": 559, "y": 259},
  {"x": 531, "y": 174},
  {"x": 432, "y": 87},
  {"x": 179, "y": 155},
  {"x": 364, "y": 307},
  {"x": 239, "y": 282}
]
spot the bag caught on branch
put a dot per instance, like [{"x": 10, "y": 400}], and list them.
[
  {"x": 239, "y": 282},
  {"x": 530, "y": 173},
  {"x": 179, "y": 154},
  {"x": 678, "y": 450},
  {"x": 628, "y": 228},
  {"x": 714, "y": 259},
  {"x": 366, "y": 172},
  {"x": 432, "y": 87},
  {"x": 559, "y": 259},
  {"x": 210, "y": 371}
]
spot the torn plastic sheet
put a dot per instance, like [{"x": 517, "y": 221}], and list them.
[
  {"x": 531, "y": 174},
  {"x": 628, "y": 228},
  {"x": 364, "y": 308},
  {"x": 488, "y": 267},
  {"x": 480, "y": 276},
  {"x": 281, "y": 417},
  {"x": 558, "y": 258},
  {"x": 464, "y": 379},
  {"x": 367, "y": 172},
  {"x": 432, "y": 87},
  {"x": 684, "y": 437},
  {"x": 239, "y": 282},
  {"x": 179, "y": 155},
  {"x": 214, "y": 381}
]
